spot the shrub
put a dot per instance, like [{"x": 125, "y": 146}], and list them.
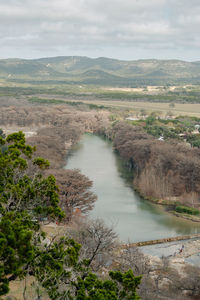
[{"x": 187, "y": 210}]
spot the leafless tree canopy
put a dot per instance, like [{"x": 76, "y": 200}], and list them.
[
  {"x": 98, "y": 241},
  {"x": 74, "y": 191},
  {"x": 162, "y": 169}
]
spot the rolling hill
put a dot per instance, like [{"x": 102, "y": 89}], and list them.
[{"x": 100, "y": 71}]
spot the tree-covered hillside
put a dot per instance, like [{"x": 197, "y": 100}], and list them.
[{"x": 101, "y": 71}]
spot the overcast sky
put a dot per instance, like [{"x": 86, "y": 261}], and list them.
[{"x": 124, "y": 29}]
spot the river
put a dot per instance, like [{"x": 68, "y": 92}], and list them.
[{"x": 133, "y": 218}]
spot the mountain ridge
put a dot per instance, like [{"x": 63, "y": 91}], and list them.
[{"x": 102, "y": 70}]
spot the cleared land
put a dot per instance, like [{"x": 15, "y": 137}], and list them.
[
  {"x": 179, "y": 109},
  {"x": 151, "y": 90}
]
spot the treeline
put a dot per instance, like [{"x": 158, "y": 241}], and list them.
[
  {"x": 167, "y": 97},
  {"x": 54, "y": 265},
  {"x": 43, "y": 116},
  {"x": 64, "y": 102},
  {"x": 55, "y": 130},
  {"x": 162, "y": 170}
]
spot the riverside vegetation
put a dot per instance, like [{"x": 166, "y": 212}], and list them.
[
  {"x": 56, "y": 128},
  {"x": 49, "y": 104},
  {"x": 166, "y": 171},
  {"x": 26, "y": 196}
]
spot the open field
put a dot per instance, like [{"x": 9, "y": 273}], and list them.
[
  {"x": 151, "y": 90},
  {"x": 179, "y": 100},
  {"x": 154, "y": 94},
  {"x": 163, "y": 108},
  {"x": 190, "y": 109}
]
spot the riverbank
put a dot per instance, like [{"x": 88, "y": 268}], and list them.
[
  {"x": 54, "y": 142},
  {"x": 161, "y": 170},
  {"x": 170, "y": 207},
  {"x": 162, "y": 241},
  {"x": 63, "y": 140},
  {"x": 173, "y": 270},
  {"x": 165, "y": 173},
  {"x": 170, "y": 202},
  {"x": 132, "y": 217}
]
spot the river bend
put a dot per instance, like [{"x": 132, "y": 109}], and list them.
[{"x": 133, "y": 218}]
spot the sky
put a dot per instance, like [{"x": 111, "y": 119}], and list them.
[{"x": 122, "y": 29}]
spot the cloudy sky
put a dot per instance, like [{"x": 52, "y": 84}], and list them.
[{"x": 124, "y": 29}]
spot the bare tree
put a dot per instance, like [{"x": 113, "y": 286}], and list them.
[
  {"x": 164, "y": 281},
  {"x": 132, "y": 257},
  {"x": 98, "y": 241},
  {"x": 75, "y": 191}
]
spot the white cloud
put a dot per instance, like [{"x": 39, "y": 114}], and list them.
[{"x": 127, "y": 29}]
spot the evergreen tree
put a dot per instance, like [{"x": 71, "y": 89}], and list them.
[{"x": 26, "y": 196}]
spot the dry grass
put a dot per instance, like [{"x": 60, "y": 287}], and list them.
[
  {"x": 163, "y": 108},
  {"x": 53, "y": 229},
  {"x": 17, "y": 289},
  {"x": 149, "y": 89}
]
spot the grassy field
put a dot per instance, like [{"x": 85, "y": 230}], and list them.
[
  {"x": 189, "y": 109},
  {"x": 157, "y": 94},
  {"x": 162, "y": 108},
  {"x": 185, "y": 99}
]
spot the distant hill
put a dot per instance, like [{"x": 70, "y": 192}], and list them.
[{"x": 101, "y": 71}]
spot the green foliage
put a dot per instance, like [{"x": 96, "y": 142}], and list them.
[
  {"x": 71, "y": 103},
  {"x": 170, "y": 129},
  {"x": 187, "y": 123},
  {"x": 94, "y": 106},
  {"x": 45, "y": 101},
  {"x": 26, "y": 196},
  {"x": 16, "y": 247},
  {"x": 194, "y": 140},
  {"x": 60, "y": 272},
  {"x": 23, "y": 199},
  {"x": 89, "y": 286},
  {"x": 2, "y": 135},
  {"x": 119, "y": 286},
  {"x": 187, "y": 210},
  {"x": 20, "y": 191},
  {"x": 102, "y": 71},
  {"x": 41, "y": 162},
  {"x": 150, "y": 120},
  {"x": 158, "y": 131},
  {"x": 54, "y": 266}
]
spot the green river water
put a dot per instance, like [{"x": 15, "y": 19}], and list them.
[{"x": 133, "y": 218}]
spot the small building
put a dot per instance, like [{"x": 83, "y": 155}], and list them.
[
  {"x": 132, "y": 119},
  {"x": 161, "y": 138}
]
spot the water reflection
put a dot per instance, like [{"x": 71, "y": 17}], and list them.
[{"x": 134, "y": 218}]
